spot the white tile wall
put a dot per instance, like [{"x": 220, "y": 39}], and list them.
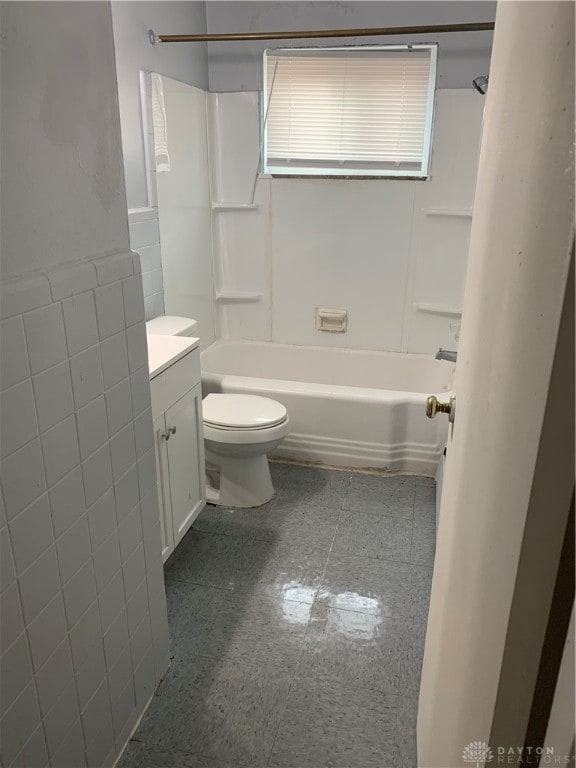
[
  {"x": 14, "y": 365},
  {"x": 19, "y": 424},
  {"x": 45, "y": 337},
  {"x": 92, "y": 426},
  {"x": 31, "y": 533},
  {"x": 137, "y": 349},
  {"x": 114, "y": 353},
  {"x": 110, "y": 309},
  {"x": 145, "y": 239},
  {"x": 86, "y": 370},
  {"x": 67, "y": 501},
  {"x": 83, "y": 631},
  {"x": 126, "y": 492},
  {"x": 53, "y": 393},
  {"x": 80, "y": 322}
]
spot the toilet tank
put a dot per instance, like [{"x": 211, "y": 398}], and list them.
[{"x": 169, "y": 325}]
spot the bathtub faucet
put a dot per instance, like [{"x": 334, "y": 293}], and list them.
[{"x": 445, "y": 354}]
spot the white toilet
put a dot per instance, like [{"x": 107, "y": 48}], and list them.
[{"x": 239, "y": 432}]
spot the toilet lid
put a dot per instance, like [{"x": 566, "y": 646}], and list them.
[{"x": 242, "y": 411}]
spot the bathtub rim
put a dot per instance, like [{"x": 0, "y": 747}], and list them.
[
  {"x": 369, "y": 394},
  {"x": 320, "y": 391}
]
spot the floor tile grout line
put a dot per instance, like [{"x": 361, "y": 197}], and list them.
[
  {"x": 412, "y": 526},
  {"x": 293, "y": 676},
  {"x": 199, "y": 584},
  {"x": 304, "y": 636},
  {"x": 321, "y": 581},
  {"x": 391, "y": 561},
  {"x": 291, "y": 681}
]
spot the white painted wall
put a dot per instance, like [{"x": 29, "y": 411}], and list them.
[
  {"x": 56, "y": 118},
  {"x": 387, "y": 251},
  {"x": 238, "y": 66},
  {"x": 187, "y": 63},
  {"x": 185, "y": 211}
]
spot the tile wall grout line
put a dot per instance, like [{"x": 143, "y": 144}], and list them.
[{"x": 18, "y": 588}]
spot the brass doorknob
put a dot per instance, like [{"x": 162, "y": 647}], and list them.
[{"x": 434, "y": 406}]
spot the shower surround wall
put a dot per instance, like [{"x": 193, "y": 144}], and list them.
[
  {"x": 84, "y": 637},
  {"x": 134, "y": 54},
  {"x": 392, "y": 253},
  {"x": 185, "y": 211}
]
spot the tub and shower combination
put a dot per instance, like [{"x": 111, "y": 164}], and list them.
[{"x": 347, "y": 408}]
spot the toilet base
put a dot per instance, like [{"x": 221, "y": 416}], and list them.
[{"x": 244, "y": 481}]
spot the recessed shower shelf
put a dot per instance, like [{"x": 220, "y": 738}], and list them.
[
  {"x": 235, "y": 206},
  {"x": 232, "y": 297},
  {"x": 449, "y": 310},
  {"x": 459, "y": 213}
]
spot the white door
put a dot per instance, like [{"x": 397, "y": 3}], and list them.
[
  {"x": 163, "y": 476},
  {"x": 186, "y": 461},
  {"x": 521, "y": 238}
]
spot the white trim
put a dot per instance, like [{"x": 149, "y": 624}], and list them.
[
  {"x": 237, "y": 296},
  {"x": 419, "y": 458},
  {"x": 218, "y": 206},
  {"x": 427, "y": 153},
  {"x": 142, "y": 214},
  {"x": 438, "y": 309},
  {"x": 461, "y": 213}
]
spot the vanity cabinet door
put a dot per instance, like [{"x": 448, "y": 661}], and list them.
[
  {"x": 185, "y": 448},
  {"x": 163, "y": 478}
]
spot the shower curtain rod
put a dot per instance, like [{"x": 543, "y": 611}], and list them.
[{"x": 321, "y": 33}]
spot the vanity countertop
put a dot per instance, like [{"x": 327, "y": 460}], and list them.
[{"x": 163, "y": 351}]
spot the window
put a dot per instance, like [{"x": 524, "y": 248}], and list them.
[{"x": 363, "y": 111}]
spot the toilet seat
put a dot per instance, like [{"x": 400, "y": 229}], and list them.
[{"x": 242, "y": 413}]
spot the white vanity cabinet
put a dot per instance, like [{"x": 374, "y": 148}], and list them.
[{"x": 179, "y": 443}]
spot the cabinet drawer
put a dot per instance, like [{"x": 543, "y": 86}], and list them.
[{"x": 173, "y": 383}]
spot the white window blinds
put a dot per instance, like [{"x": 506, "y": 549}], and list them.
[{"x": 349, "y": 111}]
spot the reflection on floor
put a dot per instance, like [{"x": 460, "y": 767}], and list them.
[{"x": 297, "y": 628}]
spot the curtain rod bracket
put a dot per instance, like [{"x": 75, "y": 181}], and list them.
[{"x": 152, "y": 37}]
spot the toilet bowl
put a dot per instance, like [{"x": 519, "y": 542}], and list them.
[{"x": 239, "y": 432}]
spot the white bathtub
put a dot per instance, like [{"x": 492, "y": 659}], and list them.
[{"x": 347, "y": 408}]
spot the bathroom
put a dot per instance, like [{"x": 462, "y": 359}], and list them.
[
  {"x": 329, "y": 298},
  {"x": 228, "y": 379}
]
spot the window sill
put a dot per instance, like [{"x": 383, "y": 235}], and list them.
[{"x": 311, "y": 177}]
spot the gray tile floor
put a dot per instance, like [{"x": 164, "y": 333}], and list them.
[{"x": 297, "y": 628}]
